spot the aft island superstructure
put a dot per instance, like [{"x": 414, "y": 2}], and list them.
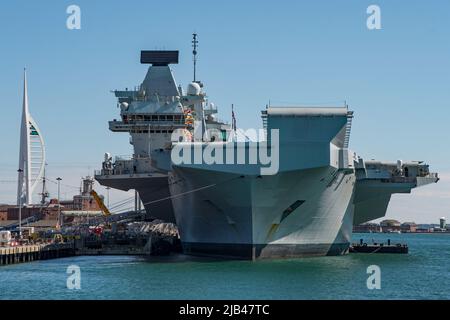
[{"x": 236, "y": 207}]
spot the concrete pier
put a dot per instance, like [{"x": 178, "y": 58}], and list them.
[
  {"x": 113, "y": 251},
  {"x": 20, "y": 254},
  {"x": 154, "y": 245}
]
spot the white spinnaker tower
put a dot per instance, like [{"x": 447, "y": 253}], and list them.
[{"x": 32, "y": 153}]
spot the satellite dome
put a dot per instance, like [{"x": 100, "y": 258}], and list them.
[
  {"x": 124, "y": 106},
  {"x": 193, "y": 89}
]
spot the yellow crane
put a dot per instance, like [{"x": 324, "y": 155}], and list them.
[{"x": 100, "y": 203}]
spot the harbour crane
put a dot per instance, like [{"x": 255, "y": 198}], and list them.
[{"x": 100, "y": 203}]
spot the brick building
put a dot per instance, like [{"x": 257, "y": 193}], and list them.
[
  {"x": 367, "y": 228},
  {"x": 83, "y": 201},
  {"x": 390, "y": 225},
  {"x": 4, "y": 212},
  {"x": 407, "y": 227}
]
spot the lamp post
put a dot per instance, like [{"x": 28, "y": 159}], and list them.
[
  {"x": 107, "y": 196},
  {"x": 59, "y": 202},
  {"x": 20, "y": 209}
]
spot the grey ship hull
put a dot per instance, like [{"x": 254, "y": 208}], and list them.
[{"x": 246, "y": 217}]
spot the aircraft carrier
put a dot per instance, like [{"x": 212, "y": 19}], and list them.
[{"x": 304, "y": 203}]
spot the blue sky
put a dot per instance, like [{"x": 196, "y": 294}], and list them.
[{"x": 289, "y": 52}]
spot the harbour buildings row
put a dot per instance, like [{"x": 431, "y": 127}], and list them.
[
  {"x": 394, "y": 226},
  {"x": 46, "y": 216}
]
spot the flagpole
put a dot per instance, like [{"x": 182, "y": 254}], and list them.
[{"x": 233, "y": 123}]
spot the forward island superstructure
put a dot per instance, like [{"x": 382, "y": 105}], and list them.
[
  {"x": 306, "y": 207},
  {"x": 150, "y": 114}
]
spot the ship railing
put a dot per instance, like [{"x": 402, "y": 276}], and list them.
[
  {"x": 113, "y": 172},
  {"x": 128, "y": 164},
  {"x": 130, "y": 157},
  {"x": 122, "y": 171},
  {"x": 152, "y": 122},
  {"x": 123, "y": 157},
  {"x": 432, "y": 175},
  {"x": 400, "y": 179},
  {"x": 209, "y": 111},
  {"x": 404, "y": 179}
]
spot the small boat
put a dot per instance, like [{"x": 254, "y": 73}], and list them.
[{"x": 363, "y": 247}]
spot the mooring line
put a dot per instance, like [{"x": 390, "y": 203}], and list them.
[{"x": 190, "y": 191}]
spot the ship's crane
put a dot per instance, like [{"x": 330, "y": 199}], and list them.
[{"x": 100, "y": 203}]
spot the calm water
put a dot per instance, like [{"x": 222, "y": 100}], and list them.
[{"x": 422, "y": 274}]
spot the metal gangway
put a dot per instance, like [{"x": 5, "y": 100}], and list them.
[{"x": 15, "y": 225}]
